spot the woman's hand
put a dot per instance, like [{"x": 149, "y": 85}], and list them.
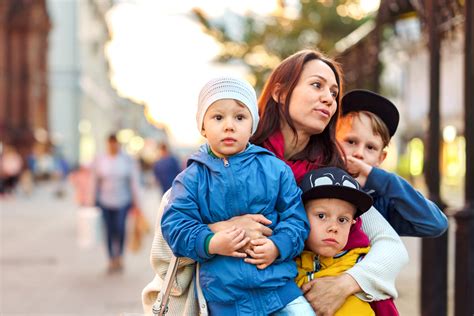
[
  {"x": 327, "y": 294},
  {"x": 253, "y": 224}
]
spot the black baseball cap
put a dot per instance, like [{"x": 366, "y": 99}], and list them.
[
  {"x": 335, "y": 183},
  {"x": 365, "y": 100}
]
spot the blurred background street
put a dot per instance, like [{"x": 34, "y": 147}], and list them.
[{"x": 45, "y": 272}]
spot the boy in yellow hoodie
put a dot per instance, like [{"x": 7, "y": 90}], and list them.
[{"x": 333, "y": 200}]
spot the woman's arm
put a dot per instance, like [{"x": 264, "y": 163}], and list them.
[{"x": 377, "y": 272}]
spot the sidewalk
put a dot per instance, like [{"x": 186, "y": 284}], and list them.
[{"x": 44, "y": 272}]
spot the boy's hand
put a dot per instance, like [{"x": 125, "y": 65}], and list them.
[
  {"x": 359, "y": 169},
  {"x": 228, "y": 242},
  {"x": 252, "y": 235},
  {"x": 263, "y": 253}
]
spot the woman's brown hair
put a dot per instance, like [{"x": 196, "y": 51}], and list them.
[{"x": 322, "y": 148}]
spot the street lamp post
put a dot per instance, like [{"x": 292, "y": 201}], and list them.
[
  {"x": 434, "y": 257},
  {"x": 464, "y": 275}
]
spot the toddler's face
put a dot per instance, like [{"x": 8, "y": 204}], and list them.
[
  {"x": 227, "y": 125},
  {"x": 330, "y": 221},
  {"x": 358, "y": 140}
]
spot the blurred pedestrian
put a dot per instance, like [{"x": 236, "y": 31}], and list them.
[
  {"x": 11, "y": 165},
  {"x": 61, "y": 172},
  {"x": 41, "y": 162},
  {"x": 116, "y": 189},
  {"x": 166, "y": 168}
]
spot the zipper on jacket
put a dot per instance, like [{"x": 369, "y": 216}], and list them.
[
  {"x": 316, "y": 264},
  {"x": 226, "y": 162}
]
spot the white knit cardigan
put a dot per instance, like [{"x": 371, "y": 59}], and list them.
[{"x": 182, "y": 298}]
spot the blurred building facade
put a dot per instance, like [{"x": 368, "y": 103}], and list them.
[
  {"x": 84, "y": 108},
  {"x": 24, "y": 27}
]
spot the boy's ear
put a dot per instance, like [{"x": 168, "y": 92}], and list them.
[
  {"x": 203, "y": 132},
  {"x": 382, "y": 157}
]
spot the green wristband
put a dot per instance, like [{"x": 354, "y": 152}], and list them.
[{"x": 207, "y": 242}]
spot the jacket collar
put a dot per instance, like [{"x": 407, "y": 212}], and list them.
[{"x": 202, "y": 156}]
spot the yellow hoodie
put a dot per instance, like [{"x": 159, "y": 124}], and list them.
[{"x": 311, "y": 266}]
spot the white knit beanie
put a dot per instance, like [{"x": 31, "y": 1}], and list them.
[{"x": 227, "y": 88}]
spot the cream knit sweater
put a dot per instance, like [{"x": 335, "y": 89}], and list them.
[
  {"x": 182, "y": 298},
  {"x": 375, "y": 274}
]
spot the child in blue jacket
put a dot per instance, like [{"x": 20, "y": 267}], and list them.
[
  {"x": 230, "y": 177},
  {"x": 364, "y": 131}
]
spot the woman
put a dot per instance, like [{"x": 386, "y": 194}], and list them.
[
  {"x": 298, "y": 116},
  {"x": 116, "y": 191}
]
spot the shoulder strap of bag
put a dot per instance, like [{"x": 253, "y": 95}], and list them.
[
  {"x": 201, "y": 300},
  {"x": 160, "y": 307}
]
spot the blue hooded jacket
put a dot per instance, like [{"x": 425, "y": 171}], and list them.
[{"x": 212, "y": 190}]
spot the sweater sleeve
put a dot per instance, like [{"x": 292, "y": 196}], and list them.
[
  {"x": 160, "y": 256},
  {"x": 181, "y": 224},
  {"x": 292, "y": 229},
  {"x": 377, "y": 272},
  {"x": 407, "y": 210}
]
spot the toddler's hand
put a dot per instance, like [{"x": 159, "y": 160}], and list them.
[
  {"x": 228, "y": 242},
  {"x": 359, "y": 169},
  {"x": 263, "y": 253},
  {"x": 252, "y": 235}
]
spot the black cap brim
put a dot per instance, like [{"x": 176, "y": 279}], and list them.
[
  {"x": 361, "y": 200},
  {"x": 365, "y": 100}
]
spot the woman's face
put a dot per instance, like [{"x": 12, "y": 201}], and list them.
[{"x": 313, "y": 101}]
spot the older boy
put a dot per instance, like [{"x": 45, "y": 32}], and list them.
[{"x": 364, "y": 131}]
